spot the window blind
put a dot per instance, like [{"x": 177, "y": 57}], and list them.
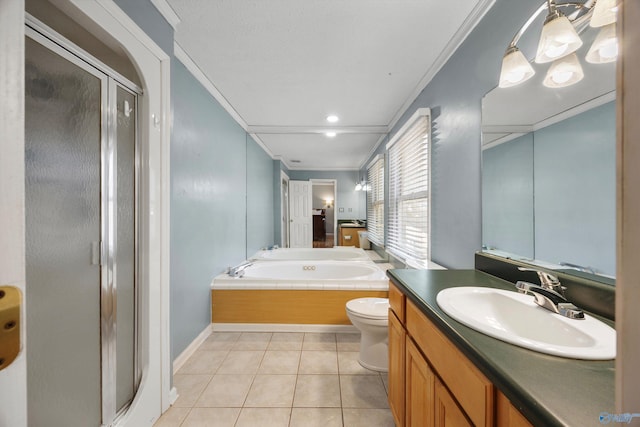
[
  {"x": 375, "y": 202},
  {"x": 409, "y": 169}
]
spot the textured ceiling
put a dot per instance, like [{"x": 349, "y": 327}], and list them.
[{"x": 281, "y": 66}]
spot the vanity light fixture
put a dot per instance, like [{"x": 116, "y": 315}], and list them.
[
  {"x": 558, "y": 37},
  {"x": 515, "y": 68},
  {"x": 564, "y": 72},
  {"x": 559, "y": 40},
  {"x": 605, "y": 47},
  {"x": 362, "y": 186},
  {"x": 329, "y": 203},
  {"x": 604, "y": 13}
]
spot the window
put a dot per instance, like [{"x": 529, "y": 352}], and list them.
[
  {"x": 409, "y": 198},
  {"x": 375, "y": 201}
]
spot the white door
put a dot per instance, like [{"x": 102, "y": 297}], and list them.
[
  {"x": 13, "y": 378},
  {"x": 300, "y": 225}
]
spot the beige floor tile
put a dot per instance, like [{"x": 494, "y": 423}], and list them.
[
  {"x": 316, "y": 417},
  {"x": 385, "y": 381},
  {"x": 318, "y": 362},
  {"x": 271, "y": 391},
  {"x": 348, "y": 364},
  {"x": 241, "y": 362},
  {"x": 319, "y": 341},
  {"x": 203, "y": 362},
  {"x": 363, "y": 391},
  {"x": 189, "y": 388},
  {"x": 368, "y": 418},
  {"x": 212, "y": 417},
  {"x": 220, "y": 341},
  {"x": 225, "y": 391},
  {"x": 264, "y": 417},
  {"x": 280, "y": 362},
  {"x": 253, "y": 341},
  {"x": 286, "y": 341},
  {"x": 173, "y": 417},
  {"x": 348, "y": 342},
  {"x": 317, "y": 391}
]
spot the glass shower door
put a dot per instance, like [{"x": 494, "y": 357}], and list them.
[
  {"x": 63, "y": 104},
  {"x": 81, "y": 239}
]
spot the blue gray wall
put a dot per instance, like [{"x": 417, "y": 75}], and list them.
[
  {"x": 260, "y": 198},
  {"x": 147, "y": 17},
  {"x": 222, "y": 201},
  {"x": 454, "y": 96},
  {"x": 575, "y": 197},
  {"x": 507, "y": 197}
]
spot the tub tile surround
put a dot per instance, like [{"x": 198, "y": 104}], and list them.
[{"x": 287, "y": 379}]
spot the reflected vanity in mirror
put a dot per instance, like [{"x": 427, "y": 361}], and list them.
[{"x": 549, "y": 171}]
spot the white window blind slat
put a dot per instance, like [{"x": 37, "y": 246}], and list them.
[
  {"x": 409, "y": 171},
  {"x": 375, "y": 202}
]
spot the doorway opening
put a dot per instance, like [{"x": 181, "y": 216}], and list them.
[{"x": 323, "y": 196}]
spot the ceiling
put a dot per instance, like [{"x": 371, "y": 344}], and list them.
[{"x": 280, "y": 67}]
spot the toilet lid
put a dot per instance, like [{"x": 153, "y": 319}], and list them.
[{"x": 372, "y": 308}]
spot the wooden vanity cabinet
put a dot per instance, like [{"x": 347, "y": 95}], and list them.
[
  {"x": 348, "y": 236},
  {"x": 431, "y": 383}
]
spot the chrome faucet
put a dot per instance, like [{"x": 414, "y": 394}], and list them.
[
  {"x": 238, "y": 270},
  {"x": 550, "y": 294}
]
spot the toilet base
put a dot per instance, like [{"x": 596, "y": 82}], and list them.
[{"x": 374, "y": 353}]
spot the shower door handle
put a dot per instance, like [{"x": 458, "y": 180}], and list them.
[
  {"x": 96, "y": 253},
  {"x": 10, "y": 306}
]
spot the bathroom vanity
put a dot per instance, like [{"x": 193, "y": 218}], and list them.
[{"x": 442, "y": 373}]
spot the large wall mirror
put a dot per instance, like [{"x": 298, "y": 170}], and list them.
[{"x": 549, "y": 171}]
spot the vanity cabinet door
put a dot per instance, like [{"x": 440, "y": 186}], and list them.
[
  {"x": 447, "y": 411},
  {"x": 420, "y": 383},
  {"x": 397, "y": 336}
]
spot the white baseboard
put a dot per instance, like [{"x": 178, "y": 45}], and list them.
[
  {"x": 173, "y": 395},
  {"x": 281, "y": 327},
  {"x": 188, "y": 352}
]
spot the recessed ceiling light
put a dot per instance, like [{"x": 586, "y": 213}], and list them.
[
  {"x": 330, "y": 134},
  {"x": 332, "y": 118}
]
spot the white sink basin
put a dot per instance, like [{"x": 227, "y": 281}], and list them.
[{"x": 517, "y": 319}]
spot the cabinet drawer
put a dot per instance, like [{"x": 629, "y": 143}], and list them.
[
  {"x": 472, "y": 389},
  {"x": 397, "y": 301}
]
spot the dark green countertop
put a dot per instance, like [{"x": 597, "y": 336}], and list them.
[{"x": 548, "y": 390}]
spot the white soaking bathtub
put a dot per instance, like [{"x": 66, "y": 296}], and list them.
[
  {"x": 295, "y": 292},
  {"x": 307, "y": 274},
  {"x": 338, "y": 253}
]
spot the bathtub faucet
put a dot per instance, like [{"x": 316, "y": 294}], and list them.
[{"x": 238, "y": 270}]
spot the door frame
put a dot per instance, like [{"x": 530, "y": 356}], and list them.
[
  {"x": 154, "y": 395},
  {"x": 334, "y": 182},
  {"x": 284, "y": 211}
]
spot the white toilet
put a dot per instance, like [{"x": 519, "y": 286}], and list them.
[{"x": 371, "y": 317}]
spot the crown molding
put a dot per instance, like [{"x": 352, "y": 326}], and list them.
[
  {"x": 460, "y": 36},
  {"x": 167, "y": 12},
  {"x": 193, "y": 68}
]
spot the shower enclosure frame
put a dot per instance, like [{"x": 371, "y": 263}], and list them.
[{"x": 104, "y": 251}]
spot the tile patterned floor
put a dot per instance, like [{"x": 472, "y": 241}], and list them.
[{"x": 261, "y": 379}]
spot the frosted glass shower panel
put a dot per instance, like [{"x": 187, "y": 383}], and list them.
[{"x": 62, "y": 168}]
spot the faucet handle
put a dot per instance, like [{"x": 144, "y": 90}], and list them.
[{"x": 547, "y": 280}]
